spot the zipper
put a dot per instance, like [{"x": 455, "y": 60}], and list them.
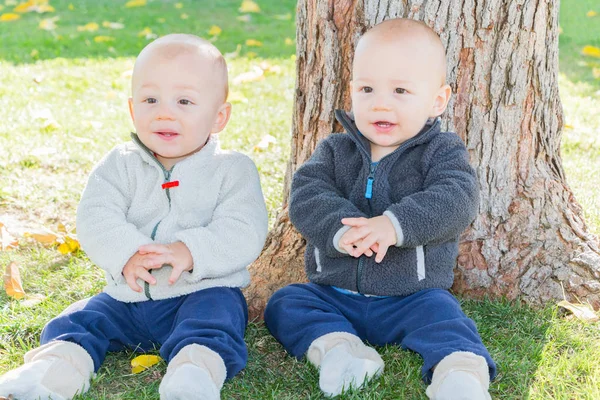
[
  {"x": 368, "y": 196},
  {"x": 153, "y": 235}
]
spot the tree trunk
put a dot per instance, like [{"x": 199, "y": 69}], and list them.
[{"x": 529, "y": 240}]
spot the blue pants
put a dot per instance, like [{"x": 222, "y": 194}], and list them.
[
  {"x": 215, "y": 318},
  {"x": 429, "y": 322}
]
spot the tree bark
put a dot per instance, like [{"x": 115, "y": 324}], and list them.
[{"x": 529, "y": 240}]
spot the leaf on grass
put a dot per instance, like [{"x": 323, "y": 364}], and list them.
[
  {"x": 591, "y": 13},
  {"x": 71, "y": 7},
  {"x": 568, "y": 126},
  {"x": 89, "y": 27},
  {"x": 215, "y": 30},
  {"x": 147, "y": 33},
  {"x": 178, "y": 5},
  {"x": 256, "y": 74},
  {"x": 46, "y": 238},
  {"x": 143, "y": 362},
  {"x": 69, "y": 245},
  {"x": 7, "y": 241},
  {"x": 135, "y": 3},
  {"x": 48, "y": 24},
  {"x": 253, "y": 43},
  {"x": 39, "y": 6},
  {"x": 12, "y": 281},
  {"x": 584, "y": 312},
  {"x": 113, "y": 25},
  {"x": 591, "y": 51},
  {"x": 244, "y": 18},
  {"x": 104, "y": 39},
  {"x": 265, "y": 142},
  {"x": 34, "y": 53},
  {"x": 248, "y": 6},
  {"x": 596, "y": 73},
  {"x": 288, "y": 41},
  {"x": 32, "y": 300},
  {"x": 9, "y": 17}
]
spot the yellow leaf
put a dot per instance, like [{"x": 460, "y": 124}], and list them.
[
  {"x": 143, "y": 362},
  {"x": 253, "y": 42},
  {"x": 178, "y": 5},
  {"x": 583, "y": 312},
  {"x": 9, "y": 17},
  {"x": 24, "y": 7},
  {"x": 12, "y": 281},
  {"x": 591, "y": 51},
  {"x": 48, "y": 24},
  {"x": 288, "y": 41},
  {"x": 102, "y": 39},
  {"x": 256, "y": 74},
  {"x": 251, "y": 54},
  {"x": 146, "y": 32},
  {"x": 113, "y": 25},
  {"x": 71, "y": 7},
  {"x": 184, "y": 16},
  {"x": 264, "y": 143},
  {"x": 243, "y": 18},
  {"x": 89, "y": 27},
  {"x": 248, "y": 6},
  {"x": 61, "y": 227},
  {"x": 45, "y": 238},
  {"x": 7, "y": 241},
  {"x": 135, "y": 3},
  {"x": 1, "y": 7},
  {"x": 34, "y": 53},
  {"x": 591, "y": 13},
  {"x": 596, "y": 73},
  {"x": 567, "y": 126},
  {"x": 39, "y": 6},
  {"x": 214, "y": 30}
]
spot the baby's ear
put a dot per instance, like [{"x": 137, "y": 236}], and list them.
[
  {"x": 440, "y": 103},
  {"x": 130, "y": 101},
  {"x": 223, "y": 114}
]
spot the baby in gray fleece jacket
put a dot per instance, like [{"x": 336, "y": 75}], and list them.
[
  {"x": 382, "y": 207},
  {"x": 174, "y": 221}
]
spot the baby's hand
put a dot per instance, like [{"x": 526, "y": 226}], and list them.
[
  {"x": 351, "y": 247},
  {"x": 175, "y": 254},
  {"x": 376, "y": 234},
  {"x": 134, "y": 269}
]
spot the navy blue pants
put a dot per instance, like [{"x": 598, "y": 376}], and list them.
[
  {"x": 215, "y": 318},
  {"x": 429, "y": 322}
]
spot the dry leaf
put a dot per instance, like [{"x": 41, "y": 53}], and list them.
[
  {"x": 591, "y": 51},
  {"x": 46, "y": 238},
  {"x": 48, "y": 24},
  {"x": 103, "y": 39},
  {"x": 214, "y": 30},
  {"x": 143, "y": 362},
  {"x": 39, "y": 6},
  {"x": 69, "y": 245},
  {"x": 9, "y": 17},
  {"x": 253, "y": 42},
  {"x": 591, "y": 13},
  {"x": 113, "y": 25},
  {"x": 135, "y": 3},
  {"x": 265, "y": 142},
  {"x": 12, "y": 281},
  {"x": 256, "y": 74},
  {"x": 596, "y": 73},
  {"x": 89, "y": 27},
  {"x": 584, "y": 312},
  {"x": 71, "y": 7},
  {"x": 33, "y": 300},
  {"x": 288, "y": 41},
  {"x": 7, "y": 241},
  {"x": 146, "y": 32},
  {"x": 248, "y": 6}
]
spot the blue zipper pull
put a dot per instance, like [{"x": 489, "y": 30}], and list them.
[{"x": 369, "y": 191}]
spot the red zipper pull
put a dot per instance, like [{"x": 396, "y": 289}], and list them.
[{"x": 168, "y": 185}]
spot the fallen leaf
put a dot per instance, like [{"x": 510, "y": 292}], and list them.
[
  {"x": 12, "y": 281},
  {"x": 253, "y": 43},
  {"x": 251, "y": 54},
  {"x": 7, "y": 241},
  {"x": 288, "y": 41},
  {"x": 596, "y": 73},
  {"x": 48, "y": 24},
  {"x": 113, "y": 25},
  {"x": 265, "y": 142},
  {"x": 34, "y": 53},
  {"x": 39, "y": 6},
  {"x": 32, "y": 300},
  {"x": 591, "y": 51},
  {"x": 103, "y": 39},
  {"x": 567, "y": 126},
  {"x": 243, "y": 18},
  {"x": 583, "y": 312},
  {"x": 69, "y": 245},
  {"x": 143, "y": 362},
  {"x": 89, "y": 27},
  {"x": 591, "y": 13},
  {"x": 179, "y": 5},
  {"x": 215, "y": 30},
  {"x": 46, "y": 238},
  {"x": 135, "y": 3},
  {"x": 248, "y": 6},
  {"x": 9, "y": 17},
  {"x": 71, "y": 7},
  {"x": 256, "y": 74},
  {"x": 145, "y": 32}
]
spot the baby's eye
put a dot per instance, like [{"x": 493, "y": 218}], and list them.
[
  {"x": 400, "y": 90},
  {"x": 366, "y": 89},
  {"x": 185, "y": 102},
  {"x": 151, "y": 100}
]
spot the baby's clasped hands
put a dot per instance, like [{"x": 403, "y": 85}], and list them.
[{"x": 368, "y": 235}]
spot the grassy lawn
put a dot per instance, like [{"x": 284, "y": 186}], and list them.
[{"x": 63, "y": 95}]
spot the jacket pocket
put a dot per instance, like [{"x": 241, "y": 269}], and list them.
[{"x": 420, "y": 263}]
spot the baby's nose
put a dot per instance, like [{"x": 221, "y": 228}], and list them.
[{"x": 164, "y": 112}]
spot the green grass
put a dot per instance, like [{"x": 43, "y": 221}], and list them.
[{"x": 64, "y": 105}]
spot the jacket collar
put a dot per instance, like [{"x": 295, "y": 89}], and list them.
[{"x": 431, "y": 128}]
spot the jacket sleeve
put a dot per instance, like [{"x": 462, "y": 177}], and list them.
[
  {"x": 236, "y": 234},
  {"x": 102, "y": 227},
  {"x": 317, "y": 206},
  {"x": 448, "y": 203}
]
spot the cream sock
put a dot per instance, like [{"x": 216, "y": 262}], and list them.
[{"x": 460, "y": 376}]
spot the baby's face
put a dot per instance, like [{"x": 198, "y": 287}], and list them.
[
  {"x": 177, "y": 103},
  {"x": 394, "y": 91}
]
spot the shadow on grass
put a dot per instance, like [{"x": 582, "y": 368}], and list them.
[{"x": 23, "y": 41}]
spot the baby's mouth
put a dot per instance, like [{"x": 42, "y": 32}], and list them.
[
  {"x": 384, "y": 124},
  {"x": 167, "y": 133}
]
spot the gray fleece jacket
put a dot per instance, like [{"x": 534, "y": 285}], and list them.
[
  {"x": 211, "y": 201},
  {"x": 426, "y": 187}
]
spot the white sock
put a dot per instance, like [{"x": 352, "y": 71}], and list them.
[
  {"x": 195, "y": 373},
  {"x": 344, "y": 362},
  {"x": 460, "y": 376},
  {"x": 57, "y": 370}
]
